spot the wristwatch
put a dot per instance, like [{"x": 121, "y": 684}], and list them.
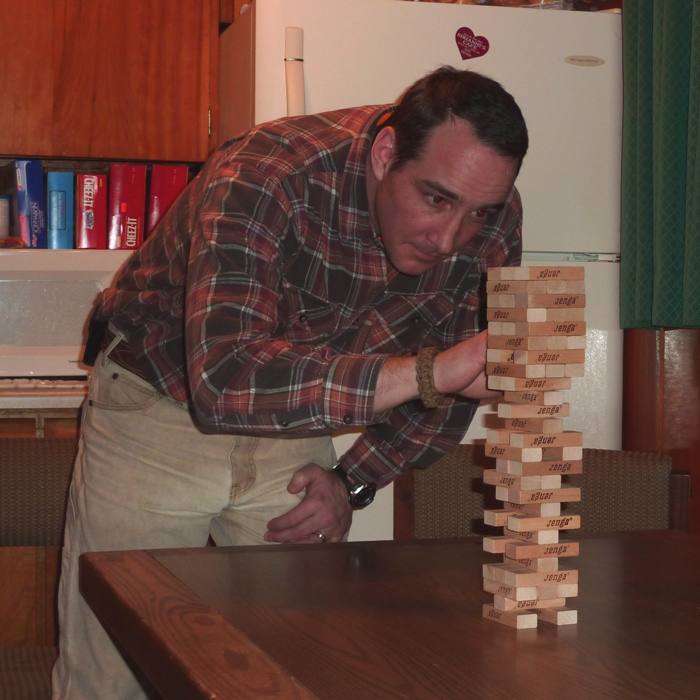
[{"x": 360, "y": 494}]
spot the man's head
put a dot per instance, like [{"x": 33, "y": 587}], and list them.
[
  {"x": 444, "y": 163},
  {"x": 447, "y": 94}
]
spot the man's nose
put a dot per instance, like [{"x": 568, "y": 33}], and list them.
[{"x": 444, "y": 237}]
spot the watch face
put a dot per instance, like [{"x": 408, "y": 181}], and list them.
[
  {"x": 362, "y": 496},
  {"x": 359, "y": 495}
]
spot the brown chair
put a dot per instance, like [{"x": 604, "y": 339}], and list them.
[
  {"x": 34, "y": 480},
  {"x": 621, "y": 490},
  {"x": 626, "y": 490}
]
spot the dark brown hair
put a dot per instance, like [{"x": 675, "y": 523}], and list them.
[{"x": 449, "y": 93}]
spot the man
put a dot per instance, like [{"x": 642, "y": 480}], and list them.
[{"x": 322, "y": 272}]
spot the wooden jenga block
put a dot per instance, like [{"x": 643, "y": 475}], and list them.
[
  {"x": 562, "y": 342},
  {"x": 499, "y": 356},
  {"x": 547, "y": 273},
  {"x": 565, "y": 315},
  {"x": 512, "y": 399},
  {"x": 524, "y": 550},
  {"x": 515, "y": 287},
  {"x": 565, "y": 287},
  {"x": 498, "y": 436},
  {"x": 569, "y": 438},
  {"x": 514, "y": 342},
  {"x": 544, "y": 592},
  {"x": 566, "y": 495},
  {"x": 561, "y": 590},
  {"x": 546, "y": 357},
  {"x": 552, "y": 371},
  {"x": 520, "y": 576},
  {"x": 536, "y": 425},
  {"x": 497, "y": 518},
  {"x": 533, "y": 454},
  {"x": 575, "y": 370},
  {"x": 502, "y": 603},
  {"x": 500, "y": 301},
  {"x": 545, "y": 301},
  {"x": 529, "y": 483},
  {"x": 535, "y": 316},
  {"x": 557, "y": 616},
  {"x": 497, "y": 544},
  {"x": 547, "y": 564},
  {"x": 510, "y": 592},
  {"x": 561, "y": 454},
  {"x": 518, "y": 620},
  {"x": 548, "y": 329},
  {"x": 541, "y": 510},
  {"x": 526, "y": 523},
  {"x": 539, "y": 468},
  {"x": 513, "y": 370},
  {"x": 534, "y": 537},
  {"x": 536, "y": 301},
  {"x": 494, "y": 571},
  {"x": 520, "y": 384},
  {"x": 520, "y": 315},
  {"x": 537, "y": 342},
  {"x": 532, "y": 410}
]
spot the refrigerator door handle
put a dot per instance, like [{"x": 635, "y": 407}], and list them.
[{"x": 294, "y": 70}]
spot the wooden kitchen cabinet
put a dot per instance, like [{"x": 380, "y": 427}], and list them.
[{"x": 116, "y": 79}]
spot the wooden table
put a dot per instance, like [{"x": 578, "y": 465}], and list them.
[{"x": 380, "y": 620}]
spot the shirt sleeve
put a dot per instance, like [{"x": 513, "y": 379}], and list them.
[
  {"x": 243, "y": 373},
  {"x": 413, "y": 436}
]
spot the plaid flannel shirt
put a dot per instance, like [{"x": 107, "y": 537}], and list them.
[{"x": 263, "y": 300}]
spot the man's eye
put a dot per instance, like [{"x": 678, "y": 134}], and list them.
[
  {"x": 481, "y": 214},
  {"x": 436, "y": 199}
]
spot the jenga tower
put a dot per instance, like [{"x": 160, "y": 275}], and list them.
[{"x": 537, "y": 340}]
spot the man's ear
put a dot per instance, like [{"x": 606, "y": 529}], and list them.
[{"x": 382, "y": 153}]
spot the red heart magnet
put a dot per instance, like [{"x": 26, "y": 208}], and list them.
[{"x": 470, "y": 46}]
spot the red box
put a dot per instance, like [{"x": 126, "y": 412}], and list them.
[
  {"x": 127, "y": 206},
  {"x": 167, "y": 181},
  {"x": 91, "y": 211}
]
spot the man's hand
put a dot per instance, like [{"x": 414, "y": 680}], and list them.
[
  {"x": 324, "y": 508},
  {"x": 462, "y": 369}
]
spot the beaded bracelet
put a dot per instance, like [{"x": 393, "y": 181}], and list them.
[{"x": 429, "y": 395}]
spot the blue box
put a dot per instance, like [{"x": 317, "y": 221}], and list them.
[
  {"x": 23, "y": 181},
  {"x": 60, "y": 196}
]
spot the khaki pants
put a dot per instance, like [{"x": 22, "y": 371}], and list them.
[{"x": 146, "y": 478}]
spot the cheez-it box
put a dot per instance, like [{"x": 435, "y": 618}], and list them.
[
  {"x": 127, "y": 206},
  {"x": 167, "y": 181},
  {"x": 91, "y": 211}
]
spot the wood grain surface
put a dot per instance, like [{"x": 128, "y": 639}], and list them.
[
  {"x": 385, "y": 620},
  {"x": 118, "y": 79}
]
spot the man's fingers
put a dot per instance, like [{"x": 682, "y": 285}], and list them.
[{"x": 324, "y": 508}]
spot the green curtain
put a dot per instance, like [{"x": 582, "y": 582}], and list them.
[{"x": 660, "y": 248}]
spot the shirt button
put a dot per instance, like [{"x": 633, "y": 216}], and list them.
[
  {"x": 284, "y": 423},
  {"x": 302, "y": 318},
  {"x": 417, "y": 320},
  {"x": 348, "y": 419}
]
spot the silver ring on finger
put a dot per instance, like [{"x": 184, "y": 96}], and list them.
[{"x": 321, "y": 535}]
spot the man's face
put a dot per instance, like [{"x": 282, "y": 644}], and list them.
[{"x": 432, "y": 207}]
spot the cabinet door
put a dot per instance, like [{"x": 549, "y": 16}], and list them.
[
  {"x": 130, "y": 79},
  {"x": 26, "y": 77}
]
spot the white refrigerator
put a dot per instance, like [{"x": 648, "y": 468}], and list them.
[{"x": 564, "y": 69}]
